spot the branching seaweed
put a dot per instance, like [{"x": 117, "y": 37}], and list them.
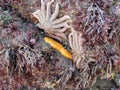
[
  {"x": 94, "y": 40},
  {"x": 100, "y": 56}
]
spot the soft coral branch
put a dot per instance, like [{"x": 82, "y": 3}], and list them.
[{"x": 53, "y": 26}]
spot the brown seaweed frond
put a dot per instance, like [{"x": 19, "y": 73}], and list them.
[{"x": 53, "y": 26}]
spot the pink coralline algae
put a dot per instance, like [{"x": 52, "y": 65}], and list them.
[{"x": 88, "y": 28}]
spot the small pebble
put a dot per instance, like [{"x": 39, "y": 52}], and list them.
[{"x": 32, "y": 41}]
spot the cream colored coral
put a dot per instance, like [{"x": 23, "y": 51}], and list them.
[
  {"x": 75, "y": 42},
  {"x": 52, "y": 25},
  {"x": 81, "y": 57}
]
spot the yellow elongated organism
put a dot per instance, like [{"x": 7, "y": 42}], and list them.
[{"x": 59, "y": 47}]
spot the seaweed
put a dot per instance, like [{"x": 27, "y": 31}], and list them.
[{"x": 27, "y": 62}]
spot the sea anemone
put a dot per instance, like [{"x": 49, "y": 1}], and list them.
[{"x": 53, "y": 26}]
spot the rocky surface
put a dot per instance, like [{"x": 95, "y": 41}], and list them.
[{"x": 27, "y": 62}]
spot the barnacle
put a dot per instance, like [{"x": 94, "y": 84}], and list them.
[
  {"x": 52, "y": 26},
  {"x": 58, "y": 47}
]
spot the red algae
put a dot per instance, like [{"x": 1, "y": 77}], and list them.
[{"x": 27, "y": 62}]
